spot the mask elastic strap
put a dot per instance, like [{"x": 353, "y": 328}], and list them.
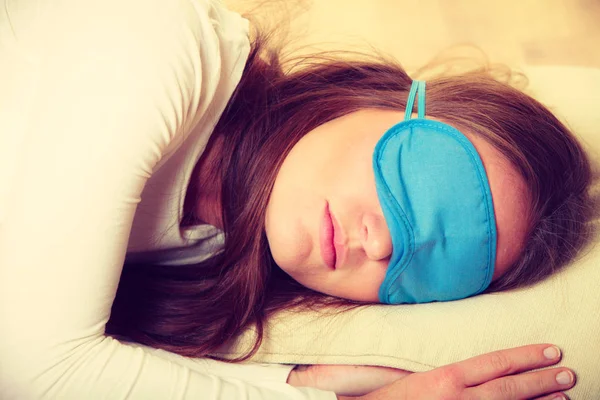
[{"x": 417, "y": 88}]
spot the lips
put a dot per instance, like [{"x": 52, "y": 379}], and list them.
[
  {"x": 339, "y": 241},
  {"x": 326, "y": 239}
]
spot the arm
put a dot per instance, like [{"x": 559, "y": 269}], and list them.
[
  {"x": 100, "y": 113},
  {"x": 250, "y": 372},
  {"x": 503, "y": 374}
]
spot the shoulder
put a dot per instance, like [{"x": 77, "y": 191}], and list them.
[
  {"x": 151, "y": 59},
  {"x": 185, "y": 37}
]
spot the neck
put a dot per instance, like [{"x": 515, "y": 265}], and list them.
[{"x": 202, "y": 203}]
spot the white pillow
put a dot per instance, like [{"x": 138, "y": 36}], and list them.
[{"x": 562, "y": 310}]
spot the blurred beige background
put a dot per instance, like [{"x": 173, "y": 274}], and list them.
[{"x": 513, "y": 32}]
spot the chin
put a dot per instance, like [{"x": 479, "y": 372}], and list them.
[{"x": 286, "y": 260}]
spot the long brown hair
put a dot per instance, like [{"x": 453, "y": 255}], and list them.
[{"x": 193, "y": 310}]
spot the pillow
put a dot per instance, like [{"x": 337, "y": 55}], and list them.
[{"x": 562, "y": 310}]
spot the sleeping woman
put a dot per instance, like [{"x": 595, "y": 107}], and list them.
[{"x": 179, "y": 186}]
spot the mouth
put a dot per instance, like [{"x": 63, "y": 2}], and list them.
[
  {"x": 326, "y": 239},
  {"x": 339, "y": 242}
]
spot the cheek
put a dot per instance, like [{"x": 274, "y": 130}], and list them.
[
  {"x": 360, "y": 284},
  {"x": 366, "y": 287},
  {"x": 351, "y": 174},
  {"x": 356, "y": 193}
]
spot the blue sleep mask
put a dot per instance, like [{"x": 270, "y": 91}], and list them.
[{"x": 437, "y": 203}]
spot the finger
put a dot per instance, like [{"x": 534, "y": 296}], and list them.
[
  {"x": 500, "y": 363},
  {"x": 554, "y": 396},
  {"x": 527, "y": 385}
]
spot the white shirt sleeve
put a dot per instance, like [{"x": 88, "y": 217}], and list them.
[
  {"x": 93, "y": 94},
  {"x": 251, "y": 372}
]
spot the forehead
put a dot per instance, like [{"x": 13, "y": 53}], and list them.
[{"x": 510, "y": 196}]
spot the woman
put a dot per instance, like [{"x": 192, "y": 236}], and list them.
[{"x": 109, "y": 108}]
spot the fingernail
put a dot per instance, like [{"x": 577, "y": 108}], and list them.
[
  {"x": 559, "y": 397},
  {"x": 552, "y": 352},
  {"x": 564, "y": 377}
]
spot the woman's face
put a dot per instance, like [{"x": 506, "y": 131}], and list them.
[{"x": 325, "y": 225}]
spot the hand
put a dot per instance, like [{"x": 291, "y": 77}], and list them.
[
  {"x": 494, "y": 376},
  {"x": 348, "y": 380}
]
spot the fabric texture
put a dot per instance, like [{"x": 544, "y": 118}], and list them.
[
  {"x": 104, "y": 107},
  {"x": 437, "y": 203},
  {"x": 562, "y": 309}
]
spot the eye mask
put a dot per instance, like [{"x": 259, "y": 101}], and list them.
[{"x": 437, "y": 203}]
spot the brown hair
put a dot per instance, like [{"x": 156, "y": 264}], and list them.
[{"x": 193, "y": 310}]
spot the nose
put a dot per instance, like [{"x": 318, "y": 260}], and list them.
[{"x": 375, "y": 237}]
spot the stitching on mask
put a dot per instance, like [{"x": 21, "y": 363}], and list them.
[
  {"x": 451, "y": 131},
  {"x": 440, "y": 126},
  {"x": 403, "y": 218}
]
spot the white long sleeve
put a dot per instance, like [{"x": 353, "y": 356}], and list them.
[{"x": 94, "y": 95}]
